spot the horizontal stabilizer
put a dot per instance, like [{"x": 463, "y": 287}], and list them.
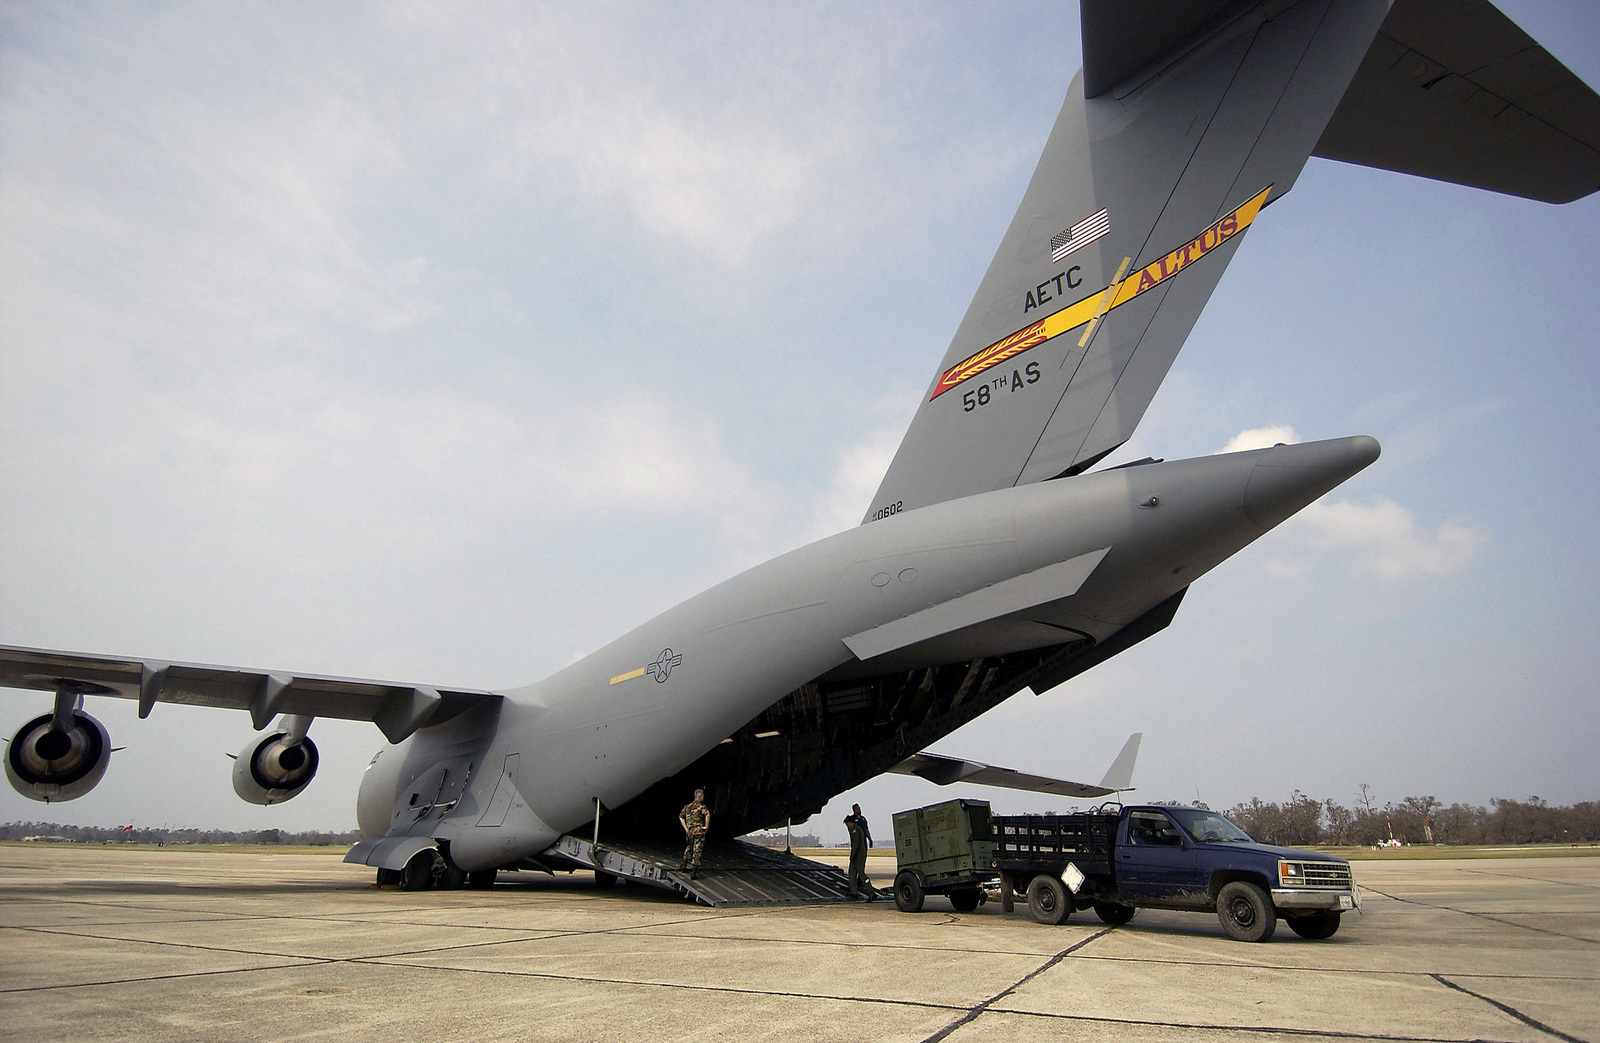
[
  {"x": 397, "y": 709},
  {"x": 942, "y": 771},
  {"x": 1453, "y": 90}
]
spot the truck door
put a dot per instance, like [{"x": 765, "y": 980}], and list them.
[{"x": 1156, "y": 862}]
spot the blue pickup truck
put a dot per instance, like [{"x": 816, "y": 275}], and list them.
[{"x": 1119, "y": 861}]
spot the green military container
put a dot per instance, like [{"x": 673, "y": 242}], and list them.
[{"x": 943, "y": 849}]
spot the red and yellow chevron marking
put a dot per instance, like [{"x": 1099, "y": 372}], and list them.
[{"x": 1118, "y": 294}]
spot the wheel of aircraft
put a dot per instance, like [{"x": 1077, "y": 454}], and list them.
[
  {"x": 418, "y": 873},
  {"x": 452, "y": 878}
]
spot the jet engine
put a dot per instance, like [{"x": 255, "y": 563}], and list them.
[
  {"x": 274, "y": 767},
  {"x": 46, "y": 761}
]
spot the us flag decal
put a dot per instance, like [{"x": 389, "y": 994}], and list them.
[{"x": 1080, "y": 235}]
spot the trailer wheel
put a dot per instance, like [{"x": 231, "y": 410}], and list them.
[
  {"x": 1246, "y": 912},
  {"x": 1114, "y": 913},
  {"x": 1315, "y": 926},
  {"x": 965, "y": 899},
  {"x": 908, "y": 892},
  {"x": 1048, "y": 900}
]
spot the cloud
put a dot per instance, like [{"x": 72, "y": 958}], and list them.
[
  {"x": 1385, "y": 539},
  {"x": 1260, "y": 438}
]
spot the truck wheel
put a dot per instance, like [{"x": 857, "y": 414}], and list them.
[
  {"x": 418, "y": 873},
  {"x": 965, "y": 899},
  {"x": 1048, "y": 900},
  {"x": 908, "y": 892},
  {"x": 1246, "y": 912},
  {"x": 1315, "y": 926},
  {"x": 1114, "y": 914}
]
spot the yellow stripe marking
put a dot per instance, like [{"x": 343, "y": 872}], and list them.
[
  {"x": 1093, "y": 307},
  {"x": 630, "y": 675}
]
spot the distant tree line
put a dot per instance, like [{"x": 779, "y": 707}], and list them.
[
  {"x": 782, "y": 840},
  {"x": 1303, "y": 820},
  {"x": 51, "y": 832}
]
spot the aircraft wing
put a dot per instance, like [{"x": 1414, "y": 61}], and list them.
[
  {"x": 943, "y": 771},
  {"x": 397, "y": 709}
]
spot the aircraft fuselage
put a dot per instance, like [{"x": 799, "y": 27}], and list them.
[{"x": 987, "y": 575}]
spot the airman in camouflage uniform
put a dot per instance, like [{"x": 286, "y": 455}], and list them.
[{"x": 696, "y": 820}]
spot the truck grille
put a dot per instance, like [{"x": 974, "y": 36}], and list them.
[{"x": 1332, "y": 875}]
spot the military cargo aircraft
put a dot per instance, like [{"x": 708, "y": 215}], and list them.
[{"x": 994, "y": 557}]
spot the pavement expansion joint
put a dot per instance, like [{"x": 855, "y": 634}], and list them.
[
  {"x": 177, "y": 976},
  {"x": 1237, "y": 1029},
  {"x": 1508, "y": 1009},
  {"x": 728, "y": 990},
  {"x": 973, "y": 1013}
]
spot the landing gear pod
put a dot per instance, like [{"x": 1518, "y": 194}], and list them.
[
  {"x": 58, "y": 756},
  {"x": 277, "y": 766}
]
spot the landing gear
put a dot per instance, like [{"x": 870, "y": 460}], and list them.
[{"x": 418, "y": 873}]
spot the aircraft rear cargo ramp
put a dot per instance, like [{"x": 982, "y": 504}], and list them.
[{"x": 732, "y": 873}]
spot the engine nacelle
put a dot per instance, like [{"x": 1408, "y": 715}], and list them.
[
  {"x": 275, "y": 767},
  {"x": 45, "y": 762}
]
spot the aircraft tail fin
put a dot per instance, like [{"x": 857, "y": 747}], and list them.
[
  {"x": 1453, "y": 90},
  {"x": 1185, "y": 122}
]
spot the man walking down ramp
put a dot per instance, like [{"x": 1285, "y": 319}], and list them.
[
  {"x": 696, "y": 820},
  {"x": 860, "y": 840}
]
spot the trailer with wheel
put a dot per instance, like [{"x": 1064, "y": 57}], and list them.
[{"x": 943, "y": 849}]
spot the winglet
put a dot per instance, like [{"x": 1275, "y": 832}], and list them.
[{"x": 1120, "y": 775}]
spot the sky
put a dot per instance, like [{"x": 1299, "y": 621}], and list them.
[{"x": 444, "y": 344}]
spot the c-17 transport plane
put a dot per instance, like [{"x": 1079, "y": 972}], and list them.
[{"x": 993, "y": 557}]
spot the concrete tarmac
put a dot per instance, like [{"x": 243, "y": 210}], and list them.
[{"x": 102, "y": 943}]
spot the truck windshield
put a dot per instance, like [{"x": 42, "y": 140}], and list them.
[{"x": 1208, "y": 827}]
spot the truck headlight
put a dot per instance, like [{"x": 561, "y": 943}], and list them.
[{"x": 1290, "y": 872}]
